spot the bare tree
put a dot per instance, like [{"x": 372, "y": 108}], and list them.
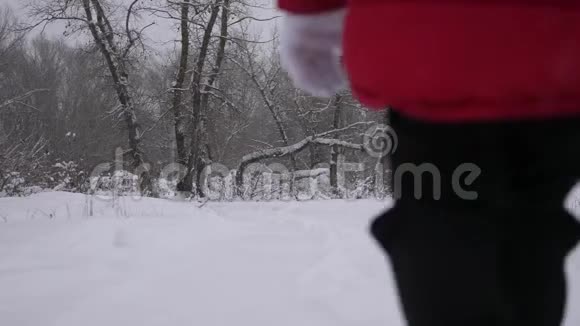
[
  {"x": 335, "y": 150},
  {"x": 199, "y": 154},
  {"x": 203, "y": 155},
  {"x": 178, "y": 89},
  {"x": 266, "y": 82},
  {"x": 115, "y": 42}
]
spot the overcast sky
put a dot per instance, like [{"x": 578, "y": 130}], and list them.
[{"x": 161, "y": 34}]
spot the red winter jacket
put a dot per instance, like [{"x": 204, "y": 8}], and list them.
[{"x": 459, "y": 60}]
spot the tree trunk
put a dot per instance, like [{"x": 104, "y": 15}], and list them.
[
  {"x": 103, "y": 36},
  {"x": 316, "y": 156},
  {"x": 198, "y": 149},
  {"x": 204, "y": 154},
  {"x": 335, "y": 150},
  {"x": 178, "y": 89}
]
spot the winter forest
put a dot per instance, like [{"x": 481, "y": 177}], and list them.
[
  {"x": 158, "y": 167},
  {"x": 202, "y": 110}
]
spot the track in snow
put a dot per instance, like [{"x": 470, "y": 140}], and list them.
[{"x": 171, "y": 263}]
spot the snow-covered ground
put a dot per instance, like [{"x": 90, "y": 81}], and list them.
[{"x": 158, "y": 262}]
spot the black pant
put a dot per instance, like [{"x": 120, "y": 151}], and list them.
[{"x": 494, "y": 260}]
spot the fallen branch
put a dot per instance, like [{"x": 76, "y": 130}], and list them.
[
  {"x": 20, "y": 98},
  {"x": 279, "y": 152}
]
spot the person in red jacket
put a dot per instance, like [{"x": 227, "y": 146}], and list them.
[{"x": 495, "y": 84}]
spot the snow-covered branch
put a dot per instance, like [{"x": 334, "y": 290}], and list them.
[{"x": 20, "y": 98}]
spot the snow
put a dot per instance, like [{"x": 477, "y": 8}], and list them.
[{"x": 159, "y": 262}]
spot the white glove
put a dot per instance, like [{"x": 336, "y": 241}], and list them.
[{"x": 310, "y": 50}]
